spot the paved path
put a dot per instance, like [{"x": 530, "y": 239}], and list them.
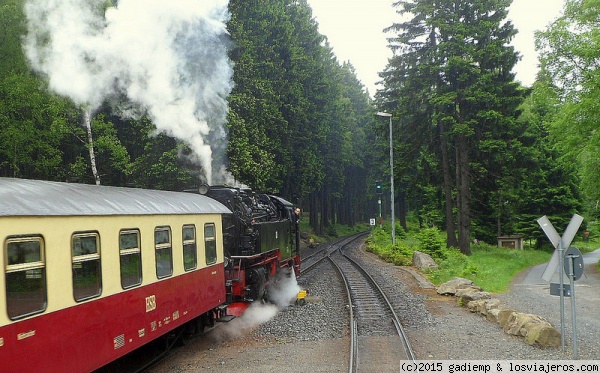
[
  {"x": 530, "y": 293},
  {"x": 534, "y": 275}
]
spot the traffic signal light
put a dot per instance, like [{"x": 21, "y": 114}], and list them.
[{"x": 378, "y": 188}]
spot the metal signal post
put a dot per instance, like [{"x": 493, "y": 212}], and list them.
[
  {"x": 388, "y": 115},
  {"x": 379, "y": 190}
]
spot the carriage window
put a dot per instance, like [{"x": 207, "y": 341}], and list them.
[
  {"x": 25, "y": 276},
  {"x": 190, "y": 258},
  {"x": 87, "y": 277},
  {"x": 210, "y": 243},
  {"x": 163, "y": 251},
  {"x": 130, "y": 257}
]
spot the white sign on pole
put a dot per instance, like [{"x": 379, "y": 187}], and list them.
[
  {"x": 556, "y": 240},
  {"x": 548, "y": 228},
  {"x": 372, "y": 221},
  {"x": 571, "y": 230}
]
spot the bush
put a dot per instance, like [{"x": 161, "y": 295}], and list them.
[
  {"x": 431, "y": 242},
  {"x": 381, "y": 235},
  {"x": 400, "y": 233},
  {"x": 454, "y": 264},
  {"x": 372, "y": 247},
  {"x": 332, "y": 231},
  {"x": 399, "y": 254}
]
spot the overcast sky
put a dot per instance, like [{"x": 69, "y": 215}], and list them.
[{"x": 354, "y": 30}]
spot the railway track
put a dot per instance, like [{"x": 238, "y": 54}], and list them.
[
  {"x": 311, "y": 261},
  {"x": 376, "y": 331}
]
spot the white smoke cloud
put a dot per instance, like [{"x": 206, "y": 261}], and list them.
[
  {"x": 281, "y": 293},
  {"x": 255, "y": 315},
  {"x": 168, "y": 58},
  {"x": 284, "y": 289}
]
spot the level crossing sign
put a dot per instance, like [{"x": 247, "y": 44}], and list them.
[
  {"x": 559, "y": 243},
  {"x": 572, "y": 261}
]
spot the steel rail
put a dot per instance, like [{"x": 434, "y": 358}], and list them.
[
  {"x": 331, "y": 246},
  {"x": 354, "y": 348},
  {"x": 395, "y": 319},
  {"x": 353, "y": 323}
]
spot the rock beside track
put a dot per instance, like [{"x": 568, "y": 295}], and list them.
[{"x": 534, "y": 329}]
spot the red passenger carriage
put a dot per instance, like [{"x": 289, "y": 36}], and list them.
[{"x": 91, "y": 273}]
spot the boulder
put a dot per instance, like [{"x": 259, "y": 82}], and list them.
[
  {"x": 423, "y": 261},
  {"x": 471, "y": 293},
  {"x": 516, "y": 321},
  {"x": 535, "y": 329},
  {"x": 491, "y": 304},
  {"x": 483, "y": 305},
  {"x": 500, "y": 315},
  {"x": 476, "y": 306},
  {"x": 542, "y": 335},
  {"x": 450, "y": 287}
]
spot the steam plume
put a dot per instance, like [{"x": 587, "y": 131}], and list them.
[
  {"x": 168, "y": 58},
  {"x": 281, "y": 293}
]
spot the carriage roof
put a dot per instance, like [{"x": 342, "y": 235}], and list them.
[{"x": 22, "y": 197}]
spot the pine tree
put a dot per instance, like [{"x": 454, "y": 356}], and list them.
[{"x": 451, "y": 85}]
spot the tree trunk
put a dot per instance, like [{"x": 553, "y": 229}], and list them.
[
  {"x": 463, "y": 192},
  {"x": 499, "y": 216},
  {"x": 402, "y": 209},
  {"x": 324, "y": 221},
  {"x": 314, "y": 212},
  {"x": 87, "y": 118},
  {"x": 451, "y": 240}
]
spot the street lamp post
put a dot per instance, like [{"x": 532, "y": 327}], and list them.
[{"x": 388, "y": 115}]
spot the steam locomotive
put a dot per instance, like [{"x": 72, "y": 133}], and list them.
[
  {"x": 91, "y": 273},
  {"x": 260, "y": 237}
]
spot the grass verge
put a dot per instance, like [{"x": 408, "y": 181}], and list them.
[{"x": 489, "y": 266}]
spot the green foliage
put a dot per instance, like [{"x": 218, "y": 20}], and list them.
[
  {"x": 111, "y": 156},
  {"x": 332, "y": 231},
  {"x": 79, "y": 169},
  {"x": 400, "y": 233},
  {"x": 455, "y": 263},
  {"x": 12, "y": 59},
  {"x": 298, "y": 120},
  {"x": 569, "y": 51},
  {"x": 381, "y": 235},
  {"x": 399, "y": 254},
  {"x": 34, "y": 129},
  {"x": 432, "y": 243},
  {"x": 301, "y": 124},
  {"x": 379, "y": 243}
]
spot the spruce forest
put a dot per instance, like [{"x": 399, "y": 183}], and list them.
[{"x": 476, "y": 153}]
